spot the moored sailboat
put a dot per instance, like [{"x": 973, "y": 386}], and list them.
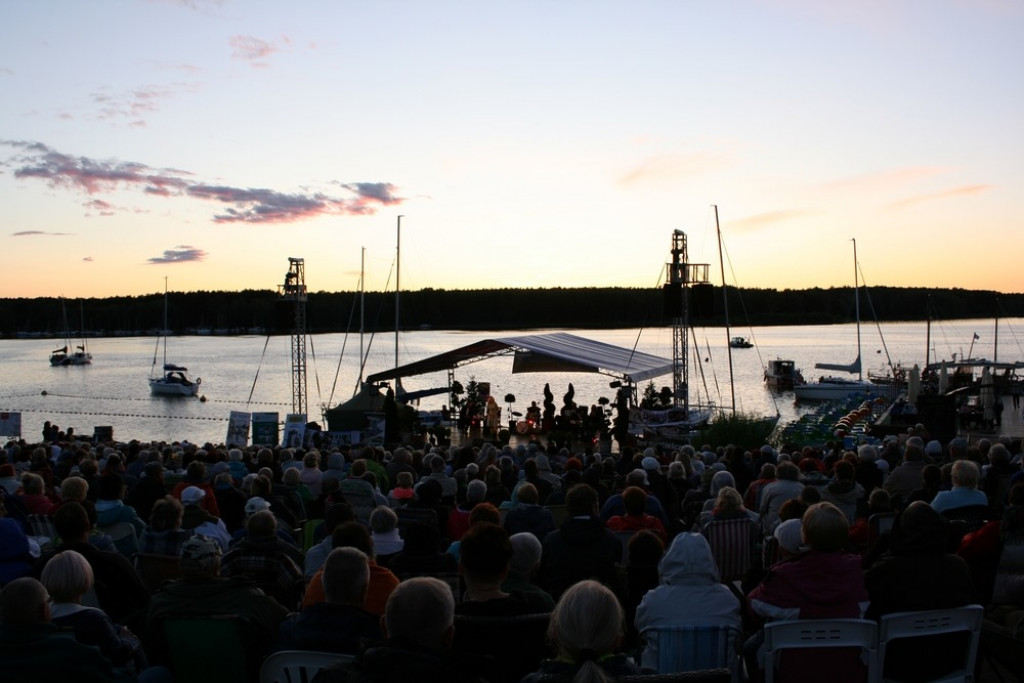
[{"x": 175, "y": 380}]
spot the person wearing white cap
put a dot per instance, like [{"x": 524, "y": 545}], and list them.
[{"x": 201, "y": 521}]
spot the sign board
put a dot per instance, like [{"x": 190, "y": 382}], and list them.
[
  {"x": 238, "y": 429},
  {"x": 10, "y": 424},
  {"x": 265, "y": 429},
  {"x": 294, "y": 429}
]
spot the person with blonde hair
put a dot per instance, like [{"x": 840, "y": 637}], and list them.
[
  {"x": 586, "y": 629},
  {"x": 68, "y": 578}
]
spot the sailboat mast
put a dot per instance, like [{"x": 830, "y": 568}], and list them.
[
  {"x": 856, "y": 308},
  {"x": 398, "y": 283},
  {"x": 362, "y": 312},
  {"x": 164, "y": 331},
  {"x": 928, "y": 334},
  {"x": 725, "y": 309}
]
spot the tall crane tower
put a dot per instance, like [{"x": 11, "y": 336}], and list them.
[
  {"x": 293, "y": 291},
  {"x": 680, "y": 276}
]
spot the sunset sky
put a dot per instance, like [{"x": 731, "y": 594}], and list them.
[{"x": 526, "y": 144}]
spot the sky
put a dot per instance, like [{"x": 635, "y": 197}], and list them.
[{"x": 524, "y": 144}]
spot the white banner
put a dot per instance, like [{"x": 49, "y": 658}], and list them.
[{"x": 238, "y": 429}]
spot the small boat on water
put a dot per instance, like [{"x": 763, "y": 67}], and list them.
[
  {"x": 782, "y": 375},
  {"x": 62, "y": 357},
  {"x": 740, "y": 343},
  {"x": 175, "y": 380}
]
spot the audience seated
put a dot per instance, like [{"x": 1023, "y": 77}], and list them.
[
  {"x": 821, "y": 583},
  {"x": 920, "y": 573},
  {"x": 67, "y": 578},
  {"x": 528, "y": 515},
  {"x": 120, "y": 591},
  {"x": 339, "y": 624},
  {"x": 582, "y": 548},
  {"x": 522, "y": 568},
  {"x": 274, "y": 565},
  {"x": 690, "y": 594},
  {"x": 387, "y": 542},
  {"x": 164, "y": 535},
  {"x": 419, "y": 624},
  {"x": 586, "y": 629},
  {"x": 32, "y": 650},
  {"x": 202, "y": 591},
  {"x": 382, "y": 580}
]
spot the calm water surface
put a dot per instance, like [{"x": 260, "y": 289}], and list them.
[{"x": 253, "y": 374}]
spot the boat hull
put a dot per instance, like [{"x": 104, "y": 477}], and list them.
[
  {"x": 73, "y": 359},
  {"x": 832, "y": 388},
  {"x": 162, "y": 386}
]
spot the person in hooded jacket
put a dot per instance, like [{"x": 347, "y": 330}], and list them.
[
  {"x": 528, "y": 515},
  {"x": 690, "y": 594}
]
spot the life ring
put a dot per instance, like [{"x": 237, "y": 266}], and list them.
[{"x": 199, "y": 380}]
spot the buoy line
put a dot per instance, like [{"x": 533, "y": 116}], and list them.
[
  {"x": 46, "y": 393},
  {"x": 109, "y": 414}
]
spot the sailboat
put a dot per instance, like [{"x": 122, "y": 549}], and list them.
[
  {"x": 80, "y": 355},
  {"x": 175, "y": 380},
  {"x": 833, "y": 387}
]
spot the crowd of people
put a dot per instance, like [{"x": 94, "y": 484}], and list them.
[{"x": 488, "y": 563}]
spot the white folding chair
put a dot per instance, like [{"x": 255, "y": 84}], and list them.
[
  {"x": 297, "y": 666},
  {"x": 821, "y": 633},
  {"x": 925, "y": 623}
]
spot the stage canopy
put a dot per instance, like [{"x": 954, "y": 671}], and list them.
[{"x": 556, "y": 352}]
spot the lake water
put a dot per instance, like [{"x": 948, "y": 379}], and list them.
[{"x": 253, "y": 374}]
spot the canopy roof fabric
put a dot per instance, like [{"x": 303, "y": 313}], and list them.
[{"x": 556, "y": 352}]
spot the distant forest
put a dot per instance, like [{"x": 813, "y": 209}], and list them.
[{"x": 264, "y": 311}]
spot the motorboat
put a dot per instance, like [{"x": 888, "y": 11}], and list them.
[
  {"x": 740, "y": 343},
  {"x": 782, "y": 375}
]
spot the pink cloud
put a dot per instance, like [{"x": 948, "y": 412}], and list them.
[{"x": 248, "y": 205}]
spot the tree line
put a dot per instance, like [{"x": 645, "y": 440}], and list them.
[{"x": 264, "y": 311}]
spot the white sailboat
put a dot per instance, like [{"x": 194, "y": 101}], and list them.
[
  {"x": 832, "y": 387},
  {"x": 78, "y": 355},
  {"x": 175, "y": 380}
]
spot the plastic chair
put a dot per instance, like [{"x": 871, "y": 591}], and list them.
[
  {"x": 308, "y": 532},
  {"x": 208, "y": 649},
  {"x": 485, "y": 642},
  {"x": 732, "y": 546},
  {"x": 298, "y": 666},
  {"x": 820, "y": 633},
  {"x": 930, "y": 623},
  {"x": 124, "y": 537},
  {"x": 156, "y": 570},
  {"x": 42, "y": 528},
  {"x": 558, "y": 513},
  {"x": 695, "y": 648},
  {"x": 974, "y": 516}
]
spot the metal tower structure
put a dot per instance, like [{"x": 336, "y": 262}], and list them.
[
  {"x": 680, "y": 275},
  {"x": 294, "y": 291}
]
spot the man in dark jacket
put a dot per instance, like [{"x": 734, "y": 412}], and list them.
[
  {"x": 419, "y": 624},
  {"x": 582, "y": 549},
  {"x": 339, "y": 624}
]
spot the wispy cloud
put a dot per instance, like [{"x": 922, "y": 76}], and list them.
[
  {"x": 945, "y": 194},
  {"x": 255, "y": 50},
  {"x": 180, "y": 254},
  {"x": 34, "y": 233},
  {"x": 760, "y": 220},
  {"x": 247, "y": 205},
  {"x": 885, "y": 180},
  {"x": 669, "y": 167},
  {"x": 136, "y": 104}
]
